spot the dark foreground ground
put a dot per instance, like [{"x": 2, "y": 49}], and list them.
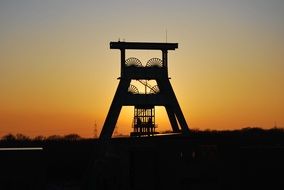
[{"x": 207, "y": 160}]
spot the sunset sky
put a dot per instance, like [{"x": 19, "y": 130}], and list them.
[{"x": 58, "y": 75}]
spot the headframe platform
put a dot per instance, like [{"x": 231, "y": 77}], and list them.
[{"x": 143, "y": 45}]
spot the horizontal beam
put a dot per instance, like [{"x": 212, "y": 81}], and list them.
[
  {"x": 143, "y": 99},
  {"x": 145, "y": 73},
  {"x": 143, "y": 45}
]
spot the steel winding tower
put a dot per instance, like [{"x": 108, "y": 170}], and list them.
[{"x": 160, "y": 95}]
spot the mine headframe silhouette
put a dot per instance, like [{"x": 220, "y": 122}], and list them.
[{"x": 144, "y": 103}]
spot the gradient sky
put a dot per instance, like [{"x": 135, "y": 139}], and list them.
[{"x": 58, "y": 75}]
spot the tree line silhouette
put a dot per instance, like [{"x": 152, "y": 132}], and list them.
[
  {"x": 247, "y": 131},
  {"x": 22, "y": 137}
]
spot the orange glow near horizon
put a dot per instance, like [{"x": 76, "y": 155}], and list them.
[{"x": 58, "y": 75}]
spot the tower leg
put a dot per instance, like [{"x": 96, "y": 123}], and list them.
[
  {"x": 167, "y": 90},
  {"x": 172, "y": 119},
  {"x": 181, "y": 119},
  {"x": 114, "y": 110}
]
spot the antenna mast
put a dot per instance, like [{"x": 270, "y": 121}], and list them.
[{"x": 166, "y": 35}]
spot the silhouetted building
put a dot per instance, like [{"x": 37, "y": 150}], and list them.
[{"x": 144, "y": 103}]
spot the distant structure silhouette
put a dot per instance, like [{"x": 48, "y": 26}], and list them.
[{"x": 144, "y": 103}]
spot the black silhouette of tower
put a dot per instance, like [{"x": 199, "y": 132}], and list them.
[{"x": 160, "y": 95}]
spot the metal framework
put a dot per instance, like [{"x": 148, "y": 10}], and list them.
[
  {"x": 144, "y": 121},
  {"x": 144, "y": 104}
]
